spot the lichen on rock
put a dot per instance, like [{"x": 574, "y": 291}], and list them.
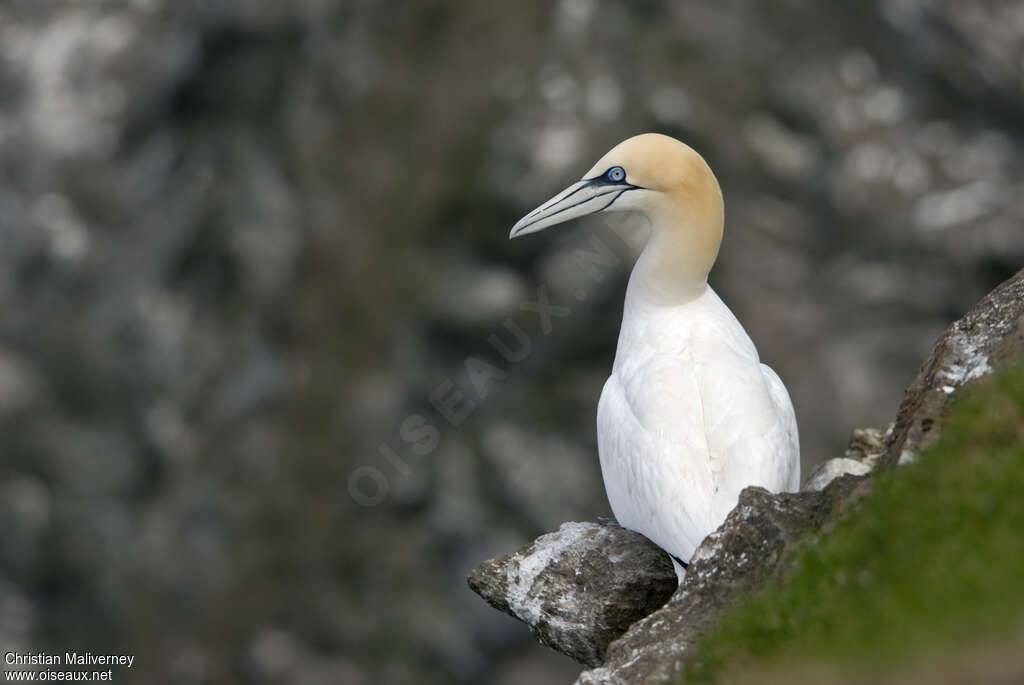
[
  {"x": 988, "y": 338},
  {"x": 867, "y": 446},
  {"x": 580, "y": 587}
]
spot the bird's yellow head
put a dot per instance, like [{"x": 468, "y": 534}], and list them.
[{"x": 658, "y": 176}]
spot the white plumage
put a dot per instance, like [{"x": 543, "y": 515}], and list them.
[
  {"x": 689, "y": 415},
  {"x": 688, "y": 418}
]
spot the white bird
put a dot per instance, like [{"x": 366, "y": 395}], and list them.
[{"x": 689, "y": 416}]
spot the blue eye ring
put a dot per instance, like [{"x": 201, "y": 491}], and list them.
[{"x": 616, "y": 174}]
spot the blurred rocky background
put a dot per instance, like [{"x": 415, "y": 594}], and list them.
[{"x": 242, "y": 246}]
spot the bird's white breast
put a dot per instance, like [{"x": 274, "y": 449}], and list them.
[{"x": 687, "y": 419}]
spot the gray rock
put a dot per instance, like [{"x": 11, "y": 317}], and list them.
[
  {"x": 835, "y": 468},
  {"x": 598, "y": 592},
  {"x": 751, "y": 546},
  {"x": 988, "y": 338},
  {"x": 867, "y": 446},
  {"x": 579, "y": 588}
]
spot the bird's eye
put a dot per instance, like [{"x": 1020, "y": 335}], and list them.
[{"x": 616, "y": 174}]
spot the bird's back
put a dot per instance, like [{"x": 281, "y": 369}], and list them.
[{"x": 688, "y": 418}]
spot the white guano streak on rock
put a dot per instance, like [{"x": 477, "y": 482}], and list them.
[
  {"x": 707, "y": 549},
  {"x": 522, "y": 575},
  {"x": 970, "y": 362},
  {"x": 907, "y": 457},
  {"x": 834, "y": 468}
]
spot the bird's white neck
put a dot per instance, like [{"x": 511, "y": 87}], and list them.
[{"x": 673, "y": 267}]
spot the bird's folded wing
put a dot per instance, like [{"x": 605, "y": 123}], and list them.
[
  {"x": 750, "y": 428},
  {"x": 791, "y": 435},
  {"x": 660, "y": 417}
]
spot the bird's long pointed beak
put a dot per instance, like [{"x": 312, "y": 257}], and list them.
[{"x": 585, "y": 197}]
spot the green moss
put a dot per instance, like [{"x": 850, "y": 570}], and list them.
[{"x": 933, "y": 558}]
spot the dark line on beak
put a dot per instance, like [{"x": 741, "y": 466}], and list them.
[
  {"x": 576, "y": 204},
  {"x": 555, "y": 200}
]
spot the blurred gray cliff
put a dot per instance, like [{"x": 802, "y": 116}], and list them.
[{"x": 244, "y": 245}]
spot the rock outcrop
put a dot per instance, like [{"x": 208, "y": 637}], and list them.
[
  {"x": 752, "y": 545},
  {"x": 581, "y": 589},
  {"x": 988, "y": 338},
  {"x": 867, "y": 446}
]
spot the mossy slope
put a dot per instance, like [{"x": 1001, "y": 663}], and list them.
[{"x": 931, "y": 562}]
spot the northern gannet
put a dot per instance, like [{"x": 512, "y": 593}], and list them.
[{"x": 689, "y": 416}]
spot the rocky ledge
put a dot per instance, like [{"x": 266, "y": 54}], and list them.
[
  {"x": 607, "y": 596},
  {"x": 579, "y": 588}
]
